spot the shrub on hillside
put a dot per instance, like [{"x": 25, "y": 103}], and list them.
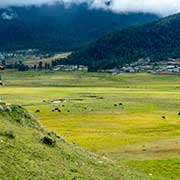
[
  {"x": 48, "y": 141},
  {"x": 8, "y": 134}
]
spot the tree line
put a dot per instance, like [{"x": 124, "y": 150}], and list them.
[{"x": 20, "y": 66}]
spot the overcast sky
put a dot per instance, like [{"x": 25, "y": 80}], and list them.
[{"x": 163, "y": 7}]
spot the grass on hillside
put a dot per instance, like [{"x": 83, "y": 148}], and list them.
[
  {"x": 31, "y": 62},
  {"x": 24, "y": 155}
]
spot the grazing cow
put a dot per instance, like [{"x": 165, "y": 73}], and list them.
[
  {"x": 163, "y": 117},
  {"x": 56, "y": 109},
  {"x": 68, "y": 111},
  {"x": 179, "y": 114},
  {"x": 120, "y": 104},
  {"x": 115, "y": 105},
  {"x": 37, "y": 111},
  {"x": 59, "y": 110},
  {"x": 63, "y": 105},
  {"x": 53, "y": 110}
]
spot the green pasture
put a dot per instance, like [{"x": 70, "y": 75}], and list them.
[{"x": 120, "y": 117}]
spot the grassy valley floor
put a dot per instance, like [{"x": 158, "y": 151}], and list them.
[{"x": 132, "y": 118}]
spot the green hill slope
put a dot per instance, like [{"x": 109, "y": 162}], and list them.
[
  {"x": 158, "y": 40},
  {"x": 28, "y": 151}
]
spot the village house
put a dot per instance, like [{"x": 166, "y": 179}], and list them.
[{"x": 2, "y": 67}]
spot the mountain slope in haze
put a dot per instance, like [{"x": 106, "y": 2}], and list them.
[
  {"x": 28, "y": 151},
  {"x": 56, "y": 27},
  {"x": 158, "y": 40}
]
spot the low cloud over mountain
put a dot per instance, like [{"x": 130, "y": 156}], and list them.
[{"x": 162, "y": 7}]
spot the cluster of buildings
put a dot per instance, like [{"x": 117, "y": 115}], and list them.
[
  {"x": 13, "y": 54},
  {"x": 23, "y": 55},
  {"x": 70, "y": 68},
  {"x": 146, "y": 65}
]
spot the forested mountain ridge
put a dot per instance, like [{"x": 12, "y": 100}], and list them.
[
  {"x": 158, "y": 40},
  {"x": 60, "y": 28}
]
